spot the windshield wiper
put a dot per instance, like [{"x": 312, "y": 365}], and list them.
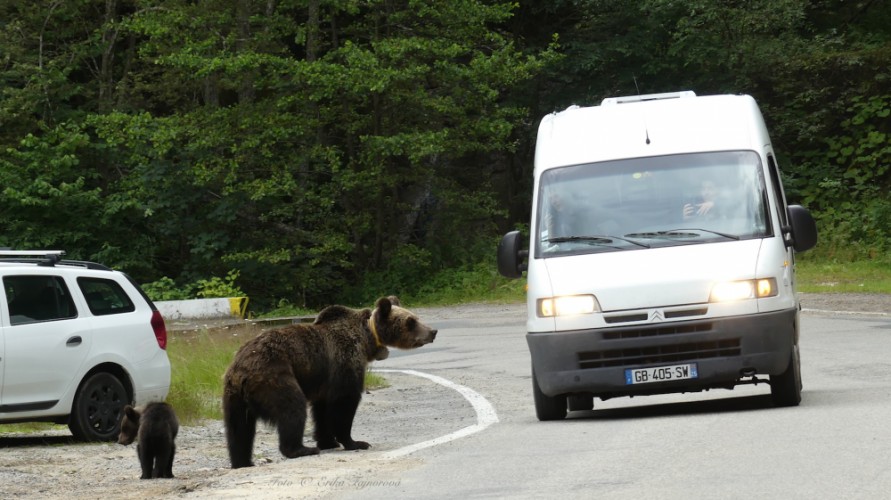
[
  {"x": 595, "y": 239},
  {"x": 667, "y": 235},
  {"x": 725, "y": 235}
]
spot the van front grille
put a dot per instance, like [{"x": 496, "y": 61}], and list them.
[
  {"x": 667, "y": 329},
  {"x": 660, "y": 354},
  {"x": 625, "y": 317}
]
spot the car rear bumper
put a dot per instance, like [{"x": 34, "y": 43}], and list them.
[{"x": 153, "y": 383}]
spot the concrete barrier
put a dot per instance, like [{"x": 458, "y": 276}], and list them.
[{"x": 232, "y": 307}]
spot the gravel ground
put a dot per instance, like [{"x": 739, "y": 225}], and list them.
[{"x": 52, "y": 465}]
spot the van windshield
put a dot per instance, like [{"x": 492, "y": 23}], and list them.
[{"x": 651, "y": 202}]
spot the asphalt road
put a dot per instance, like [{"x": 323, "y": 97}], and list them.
[
  {"x": 457, "y": 421},
  {"x": 720, "y": 444}
]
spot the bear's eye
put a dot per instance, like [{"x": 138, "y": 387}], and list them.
[{"x": 411, "y": 323}]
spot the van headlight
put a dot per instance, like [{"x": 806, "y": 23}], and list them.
[
  {"x": 747, "y": 289},
  {"x": 567, "y": 305}
]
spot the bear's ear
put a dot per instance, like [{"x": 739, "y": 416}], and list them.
[
  {"x": 131, "y": 413},
  {"x": 394, "y": 300},
  {"x": 383, "y": 306}
]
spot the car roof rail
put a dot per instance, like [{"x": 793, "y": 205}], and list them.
[
  {"x": 29, "y": 253},
  {"x": 87, "y": 264},
  {"x": 47, "y": 258}
]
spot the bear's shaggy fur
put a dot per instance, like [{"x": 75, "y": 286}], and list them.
[
  {"x": 275, "y": 375},
  {"x": 154, "y": 427}
]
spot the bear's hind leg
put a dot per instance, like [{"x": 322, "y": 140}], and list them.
[
  {"x": 241, "y": 427},
  {"x": 324, "y": 433},
  {"x": 168, "y": 469},
  {"x": 145, "y": 460},
  {"x": 164, "y": 461}
]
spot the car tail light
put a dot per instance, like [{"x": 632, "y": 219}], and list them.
[{"x": 160, "y": 329}]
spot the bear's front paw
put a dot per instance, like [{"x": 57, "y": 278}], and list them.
[
  {"x": 356, "y": 445},
  {"x": 299, "y": 452}
]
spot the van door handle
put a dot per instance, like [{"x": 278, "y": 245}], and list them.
[{"x": 74, "y": 341}]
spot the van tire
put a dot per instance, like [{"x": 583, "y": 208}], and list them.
[
  {"x": 785, "y": 388},
  {"x": 547, "y": 407}
]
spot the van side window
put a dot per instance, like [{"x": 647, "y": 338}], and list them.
[
  {"x": 777, "y": 186},
  {"x": 32, "y": 299},
  {"x": 105, "y": 296}
]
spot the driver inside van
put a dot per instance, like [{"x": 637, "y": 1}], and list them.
[
  {"x": 557, "y": 217},
  {"x": 704, "y": 205}
]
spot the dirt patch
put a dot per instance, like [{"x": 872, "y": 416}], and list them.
[
  {"x": 873, "y": 303},
  {"x": 52, "y": 465}
]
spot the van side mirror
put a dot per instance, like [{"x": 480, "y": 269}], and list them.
[
  {"x": 803, "y": 228},
  {"x": 511, "y": 260}
]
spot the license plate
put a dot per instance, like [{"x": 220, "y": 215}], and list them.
[{"x": 660, "y": 374}]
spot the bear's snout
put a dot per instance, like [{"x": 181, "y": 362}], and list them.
[{"x": 426, "y": 339}]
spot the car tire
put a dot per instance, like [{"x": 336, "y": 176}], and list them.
[
  {"x": 547, "y": 407},
  {"x": 785, "y": 388},
  {"x": 97, "y": 409}
]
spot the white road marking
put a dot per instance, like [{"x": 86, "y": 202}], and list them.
[{"x": 485, "y": 414}]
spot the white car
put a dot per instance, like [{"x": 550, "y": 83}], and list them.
[{"x": 78, "y": 342}]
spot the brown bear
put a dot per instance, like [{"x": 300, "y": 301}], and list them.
[
  {"x": 275, "y": 375},
  {"x": 154, "y": 426}
]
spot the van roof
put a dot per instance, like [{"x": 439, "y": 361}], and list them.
[{"x": 649, "y": 125}]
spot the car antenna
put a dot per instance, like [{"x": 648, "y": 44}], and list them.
[{"x": 646, "y": 127}]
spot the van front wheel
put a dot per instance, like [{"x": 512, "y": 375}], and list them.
[
  {"x": 785, "y": 388},
  {"x": 547, "y": 407}
]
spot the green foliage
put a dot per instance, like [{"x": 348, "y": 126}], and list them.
[
  {"x": 219, "y": 287},
  {"x": 477, "y": 282},
  {"x": 331, "y": 151},
  {"x": 847, "y": 181},
  {"x": 166, "y": 289}
]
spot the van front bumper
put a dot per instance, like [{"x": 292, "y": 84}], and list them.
[{"x": 723, "y": 349}]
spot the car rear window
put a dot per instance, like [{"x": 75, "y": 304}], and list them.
[{"x": 105, "y": 296}]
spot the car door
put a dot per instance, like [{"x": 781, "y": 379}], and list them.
[{"x": 45, "y": 342}]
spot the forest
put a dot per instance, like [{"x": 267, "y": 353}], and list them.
[{"x": 322, "y": 151}]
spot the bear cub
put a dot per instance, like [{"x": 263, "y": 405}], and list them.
[
  {"x": 153, "y": 427},
  {"x": 277, "y": 373}
]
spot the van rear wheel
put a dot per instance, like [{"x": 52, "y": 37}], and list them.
[
  {"x": 547, "y": 407},
  {"x": 785, "y": 388}
]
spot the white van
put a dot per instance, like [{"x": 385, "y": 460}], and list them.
[{"x": 661, "y": 254}]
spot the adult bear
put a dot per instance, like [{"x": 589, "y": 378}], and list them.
[{"x": 275, "y": 375}]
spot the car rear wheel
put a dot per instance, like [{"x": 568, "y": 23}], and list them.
[
  {"x": 547, "y": 407},
  {"x": 98, "y": 406},
  {"x": 785, "y": 388}
]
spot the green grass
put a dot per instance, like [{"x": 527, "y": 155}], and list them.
[
  {"x": 831, "y": 276},
  {"x": 198, "y": 361},
  {"x": 29, "y": 427}
]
